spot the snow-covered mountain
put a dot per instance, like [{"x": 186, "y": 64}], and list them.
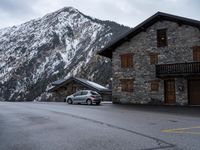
[{"x": 62, "y": 43}]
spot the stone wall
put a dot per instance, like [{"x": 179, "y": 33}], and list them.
[
  {"x": 181, "y": 39},
  {"x": 181, "y": 91}
]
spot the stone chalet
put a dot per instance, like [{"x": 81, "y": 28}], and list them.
[
  {"x": 62, "y": 88},
  {"x": 157, "y": 62}
]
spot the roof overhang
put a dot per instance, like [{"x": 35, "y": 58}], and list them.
[{"x": 159, "y": 16}]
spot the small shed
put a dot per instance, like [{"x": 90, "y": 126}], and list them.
[{"x": 62, "y": 88}]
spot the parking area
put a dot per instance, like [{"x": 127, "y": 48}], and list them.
[
  {"x": 188, "y": 130},
  {"x": 107, "y": 126}
]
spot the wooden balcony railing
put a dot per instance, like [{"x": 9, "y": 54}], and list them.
[{"x": 178, "y": 69}]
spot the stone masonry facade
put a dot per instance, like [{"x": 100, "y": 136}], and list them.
[{"x": 181, "y": 40}]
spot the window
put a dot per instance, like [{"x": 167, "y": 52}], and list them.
[
  {"x": 74, "y": 89},
  {"x": 196, "y": 53},
  {"x": 127, "y": 60},
  {"x": 153, "y": 58},
  {"x": 127, "y": 85},
  {"x": 77, "y": 93},
  {"x": 94, "y": 93},
  {"x": 84, "y": 93},
  {"x": 161, "y": 38},
  {"x": 154, "y": 85}
]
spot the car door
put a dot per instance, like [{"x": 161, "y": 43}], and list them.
[
  {"x": 83, "y": 96},
  {"x": 77, "y": 97}
]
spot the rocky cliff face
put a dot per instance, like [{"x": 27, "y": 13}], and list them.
[{"x": 62, "y": 43}]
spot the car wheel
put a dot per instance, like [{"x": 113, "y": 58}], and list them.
[
  {"x": 98, "y": 103},
  {"x": 89, "y": 102},
  {"x": 69, "y": 101}
]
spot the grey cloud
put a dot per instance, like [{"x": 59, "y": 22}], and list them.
[
  {"x": 16, "y": 7},
  {"x": 14, "y": 12},
  {"x": 127, "y": 12}
]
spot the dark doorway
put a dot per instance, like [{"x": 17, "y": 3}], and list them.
[{"x": 194, "y": 92}]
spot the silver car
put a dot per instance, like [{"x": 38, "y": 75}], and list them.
[{"x": 84, "y": 97}]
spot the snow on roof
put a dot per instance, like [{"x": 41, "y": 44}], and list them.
[
  {"x": 96, "y": 85},
  {"x": 93, "y": 84},
  {"x": 58, "y": 82}
]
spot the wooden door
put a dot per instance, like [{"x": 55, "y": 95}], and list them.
[
  {"x": 194, "y": 92},
  {"x": 170, "y": 92}
]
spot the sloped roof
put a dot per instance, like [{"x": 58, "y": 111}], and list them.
[
  {"x": 107, "y": 51},
  {"x": 89, "y": 84},
  {"x": 58, "y": 82}
]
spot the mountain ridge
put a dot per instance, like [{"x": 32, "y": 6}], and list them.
[{"x": 59, "y": 44}]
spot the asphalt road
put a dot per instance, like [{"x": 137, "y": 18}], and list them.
[{"x": 58, "y": 126}]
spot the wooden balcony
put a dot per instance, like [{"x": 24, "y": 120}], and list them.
[{"x": 178, "y": 69}]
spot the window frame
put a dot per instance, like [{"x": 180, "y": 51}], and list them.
[
  {"x": 154, "y": 85},
  {"x": 127, "y": 85},
  {"x": 74, "y": 89},
  {"x": 127, "y": 60},
  {"x": 153, "y": 58},
  {"x": 162, "y": 40}
]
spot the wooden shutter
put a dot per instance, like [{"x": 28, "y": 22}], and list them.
[
  {"x": 155, "y": 85},
  {"x": 130, "y": 85},
  {"x": 127, "y": 60},
  {"x": 123, "y": 61},
  {"x": 127, "y": 85},
  {"x": 196, "y": 53},
  {"x": 161, "y": 38},
  {"x": 123, "y": 84},
  {"x": 153, "y": 58}
]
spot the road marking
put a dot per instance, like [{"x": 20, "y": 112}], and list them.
[{"x": 183, "y": 130}]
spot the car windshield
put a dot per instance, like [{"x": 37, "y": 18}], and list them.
[
  {"x": 77, "y": 93},
  {"x": 94, "y": 93}
]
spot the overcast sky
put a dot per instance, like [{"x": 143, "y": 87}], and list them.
[{"x": 127, "y": 12}]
